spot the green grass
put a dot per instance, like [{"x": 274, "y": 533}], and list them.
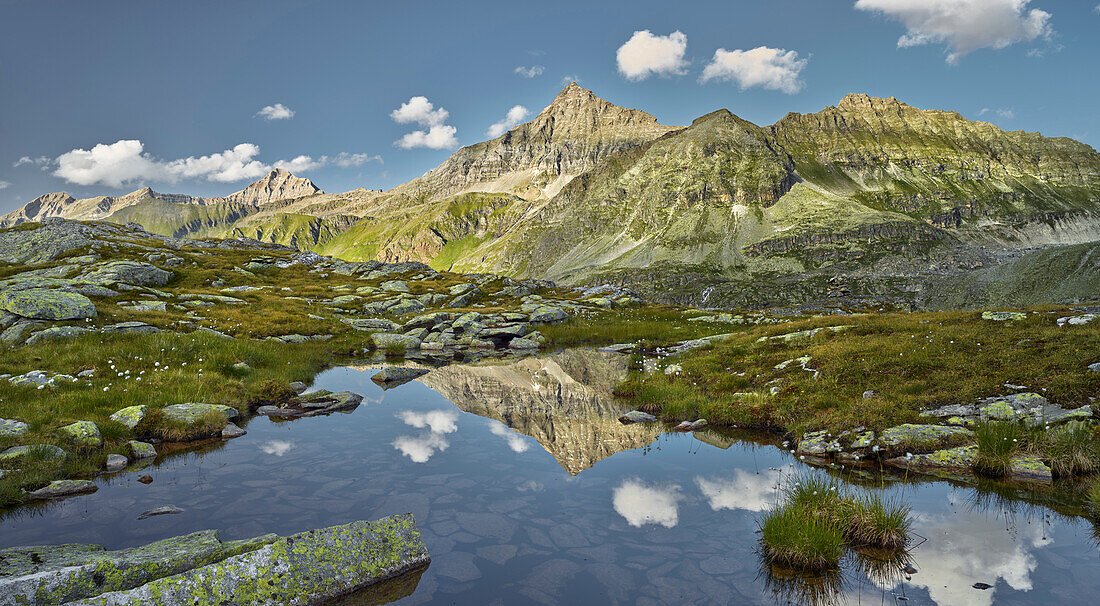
[
  {"x": 911, "y": 361},
  {"x": 650, "y": 326},
  {"x": 998, "y": 443},
  {"x": 819, "y": 518}
]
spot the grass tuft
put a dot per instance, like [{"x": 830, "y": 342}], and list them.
[{"x": 793, "y": 539}]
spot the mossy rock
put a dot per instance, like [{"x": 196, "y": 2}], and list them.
[
  {"x": 82, "y": 433},
  {"x": 131, "y": 415},
  {"x": 46, "y": 451},
  {"x": 10, "y": 428},
  {"x": 818, "y": 443},
  {"x": 142, "y": 450},
  {"x": 45, "y": 304},
  {"x": 59, "y": 489},
  {"x": 922, "y": 436}
]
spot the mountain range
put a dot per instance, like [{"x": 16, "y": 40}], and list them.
[{"x": 870, "y": 201}]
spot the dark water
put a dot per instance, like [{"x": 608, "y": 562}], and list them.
[{"x": 527, "y": 490}]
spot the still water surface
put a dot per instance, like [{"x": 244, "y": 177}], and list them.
[{"x": 527, "y": 490}]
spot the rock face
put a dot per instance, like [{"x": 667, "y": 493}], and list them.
[
  {"x": 563, "y": 401},
  {"x": 274, "y": 186},
  {"x": 307, "y": 568}
]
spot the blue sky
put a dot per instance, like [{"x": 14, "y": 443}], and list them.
[{"x": 190, "y": 80}]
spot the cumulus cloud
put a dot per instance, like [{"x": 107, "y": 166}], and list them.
[
  {"x": 642, "y": 504},
  {"x": 645, "y": 54},
  {"x": 744, "y": 490},
  {"x": 770, "y": 68},
  {"x": 530, "y": 72},
  {"x": 4, "y": 184},
  {"x": 275, "y": 112},
  {"x": 418, "y": 110},
  {"x": 421, "y": 447},
  {"x": 277, "y": 447},
  {"x": 515, "y": 441},
  {"x": 126, "y": 161},
  {"x": 1003, "y": 112},
  {"x": 963, "y": 26},
  {"x": 42, "y": 161},
  {"x": 514, "y": 117}
]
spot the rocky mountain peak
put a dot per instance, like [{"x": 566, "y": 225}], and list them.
[
  {"x": 863, "y": 101},
  {"x": 278, "y": 184}
]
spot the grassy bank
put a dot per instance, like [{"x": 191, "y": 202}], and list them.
[{"x": 909, "y": 361}]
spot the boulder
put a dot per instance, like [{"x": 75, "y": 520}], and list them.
[
  {"x": 57, "y": 332},
  {"x": 231, "y": 430},
  {"x": 372, "y": 324},
  {"x": 129, "y": 328},
  {"x": 312, "y": 567},
  {"x": 128, "y": 272},
  {"x": 10, "y": 428},
  {"x": 637, "y": 416},
  {"x": 546, "y": 314},
  {"x": 397, "y": 375},
  {"x": 116, "y": 462},
  {"x": 197, "y": 420},
  {"x": 46, "y": 451},
  {"x": 924, "y": 437},
  {"x": 163, "y": 510},
  {"x": 131, "y": 415},
  {"x": 82, "y": 433},
  {"x": 687, "y": 426},
  {"x": 44, "y": 304},
  {"x": 523, "y": 344},
  {"x": 62, "y": 488},
  {"x": 142, "y": 450},
  {"x": 817, "y": 443}
]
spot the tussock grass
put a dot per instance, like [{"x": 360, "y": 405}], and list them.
[
  {"x": 1070, "y": 449},
  {"x": 911, "y": 361},
  {"x": 818, "y": 518},
  {"x": 998, "y": 442}
]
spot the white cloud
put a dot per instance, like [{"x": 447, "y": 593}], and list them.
[
  {"x": 770, "y": 68},
  {"x": 514, "y": 117},
  {"x": 418, "y": 110},
  {"x": 421, "y": 448},
  {"x": 645, "y": 54},
  {"x": 641, "y": 504},
  {"x": 42, "y": 161},
  {"x": 276, "y": 112},
  {"x": 530, "y": 72},
  {"x": 346, "y": 160},
  {"x": 515, "y": 441},
  {"x": 438, "y": 421},
  {"x": 277, "y": 447},
  {"x": 1003, "y": 112},
  {"x": 437, "y": 137},
  {"x": 4, "y": 184},
  {"x": 748, "y": 491},
  {"x": 963, "y": 26},
  {"x": 125, "y": 161},
  {"x": 566, "y": 79}
]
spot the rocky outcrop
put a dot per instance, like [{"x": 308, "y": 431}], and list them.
[
  {"x": 200, "y": 569},
  {"x": 275, "y": 185}
]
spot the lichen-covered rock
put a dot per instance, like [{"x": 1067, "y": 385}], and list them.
[
  {"x": 954, "y": 461},
  {"x": 922, "y": 436},
  {"x": 398, "y": 374},
  {"x": 57, "y": 332},
  {"x": 198, "y": 420},
  {"x": 129, "y": 328},
  {"x": 395, "y": 286},
  {"x": 45, "y": 304},
  {"x": 128, "y": 272},
  {"x": 802, "y": 334},
  {"x": 863, "y": 440},
  {"x": 231, "y": 430},
  {"x": 82, "y": 433},
  {"x": 62, "y": 574},
  {"x": 547, "y": 314},
  {"x": 131, "y": 415},
  {"x": 46, "y": 451},
  {"x": 142, "y": 450},
  {"x": 818, "y": 443},
  {"x": 523, "y": 344},
  {"x": 10, "y": 428},
  {"x": 63, "y": 488},
  {"x": 997, "y": 411},
  {"x": 387, "y": 341},
  {"x": 1004, "y": 316},
  {"x": 372, "y": 324},
  {"x": 307, "y": 568}
]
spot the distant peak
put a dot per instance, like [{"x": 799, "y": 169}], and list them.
[{"x": 865, "y": 101}]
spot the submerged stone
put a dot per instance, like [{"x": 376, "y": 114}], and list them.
[
  {"x": 62, "y": 488},
  {"x": 163, "y": 510}
]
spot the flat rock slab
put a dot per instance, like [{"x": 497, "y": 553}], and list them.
[
  {"x": 923, "y": 436},
  {"x": 398, "y": 375},
  {"x": 164, "y": 510},
  {"x": 63, "y": 488},
  {"x": 10, "y": 428},
  {"x": 637, "y": 416},
  {"x": 306, "y": 568},
  {"x": 46, "y": 451},
  {"x": 45, "y": 304}
]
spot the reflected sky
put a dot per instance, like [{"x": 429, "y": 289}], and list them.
[{"x": 597, "y": 515}]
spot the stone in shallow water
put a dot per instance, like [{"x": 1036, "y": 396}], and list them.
[
  {"x": 307, "y": 568},
  {"x": 817, "y": 443},
  {"x": 82, "y": 433},
  {"x": 231, "y": 430},
  {"x": 637, "y": 416},
  {"x": 398, "y": 374},
  {"x": 691, "y": 425},
  {"x": 116, "y": 462},
  {"x": 142, "y": 450},
  {"x": 63, "y": 488},
  {"x": 163, "y": 510}
]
